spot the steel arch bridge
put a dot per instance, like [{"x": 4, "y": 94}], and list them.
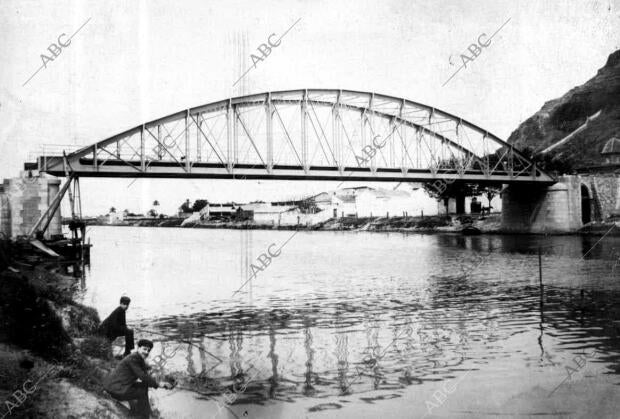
[{"x": 307, "y": 134}]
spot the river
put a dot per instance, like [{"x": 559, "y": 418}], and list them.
[{"x": 366, "y": 324}]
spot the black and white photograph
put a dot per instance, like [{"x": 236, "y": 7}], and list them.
[{"x": 310, "y": 209}]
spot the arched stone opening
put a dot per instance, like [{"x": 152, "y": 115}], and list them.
[{"x": 586, "y": 205}]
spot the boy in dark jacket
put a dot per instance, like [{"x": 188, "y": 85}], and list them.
[
  {"x": 123, "y": 384},
  {"x": 115, "y": 325}
]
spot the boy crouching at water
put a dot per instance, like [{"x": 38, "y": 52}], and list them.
[
  {"x": 130, "y": 381},
  {"x": 115, "y": 325}
]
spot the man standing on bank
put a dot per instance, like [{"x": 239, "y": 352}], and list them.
[
  {"x": 130, "y": 381},
  {"x": 115, "y": 325}
]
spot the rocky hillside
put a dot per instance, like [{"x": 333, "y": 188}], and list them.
[{"x": 560, "y": 117}]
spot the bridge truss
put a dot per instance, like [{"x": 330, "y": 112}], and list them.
[{"x": 309, "y": 134}]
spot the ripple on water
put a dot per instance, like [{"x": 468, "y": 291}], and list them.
[{"x": 340, "y": 314}]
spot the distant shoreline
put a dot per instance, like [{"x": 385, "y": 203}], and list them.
[{"x": 423, "y": 225}]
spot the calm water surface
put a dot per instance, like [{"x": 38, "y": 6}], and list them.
[{"x": 341, "y": 323}]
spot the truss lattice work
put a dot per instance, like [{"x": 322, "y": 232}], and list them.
[{"x": 311, "y": 134}]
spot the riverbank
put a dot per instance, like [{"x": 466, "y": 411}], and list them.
[
  {"x": 428, "y": 224},
  {"x": 51, "y": 362},
  {"x": 490, "y": 224}
]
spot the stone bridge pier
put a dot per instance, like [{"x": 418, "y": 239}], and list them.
[
  {"x": 23, "y": 200},
  {"x": 560, "y": 208}
]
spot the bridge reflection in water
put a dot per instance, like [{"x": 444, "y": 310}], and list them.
[
  {"x": 450, "y": 305},
  {"x": 273, "y": 354}
]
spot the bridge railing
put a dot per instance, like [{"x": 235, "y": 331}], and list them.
[{"x": 51, "y": 150}]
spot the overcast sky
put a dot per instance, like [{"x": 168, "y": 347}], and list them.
[{"x": 135, "y": 61}]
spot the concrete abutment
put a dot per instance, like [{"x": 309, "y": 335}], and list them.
[{"x": 547, "y": 209}]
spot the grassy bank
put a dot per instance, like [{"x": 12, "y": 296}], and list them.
[{"x": 51, "y": 361}]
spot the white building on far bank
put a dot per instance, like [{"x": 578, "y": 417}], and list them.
[
  {"x": 369, "y": 202},
  {"x": 116, "y": 217}
]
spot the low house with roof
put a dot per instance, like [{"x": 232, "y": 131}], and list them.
[{"x": 215, "y": 210}]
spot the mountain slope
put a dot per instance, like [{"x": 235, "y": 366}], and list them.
[{"x": 560, "y": 117}]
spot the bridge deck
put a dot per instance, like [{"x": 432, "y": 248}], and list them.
[{"x": 132, "y": 169}]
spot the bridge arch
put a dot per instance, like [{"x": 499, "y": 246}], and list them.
[{"x": 306, "y": 134}]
